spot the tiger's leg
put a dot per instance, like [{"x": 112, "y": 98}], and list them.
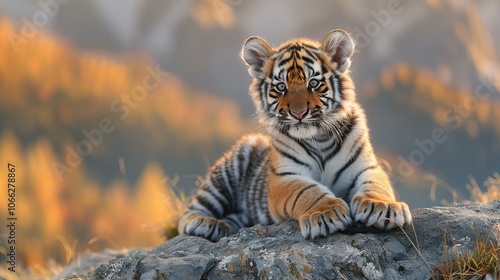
[
  {"x": 373, "y": 201},
  {"x": 217, "y": 210},
  {"x": 200, "y": 224},
  {"x": 316, "y": 208},
  {"x": 212, "y": 213}
]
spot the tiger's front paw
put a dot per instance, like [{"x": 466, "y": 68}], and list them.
[
  {"x": 379, "y": 212},
  {"x": 329, "y": 217},
  {"x": 208, "y": 227}
]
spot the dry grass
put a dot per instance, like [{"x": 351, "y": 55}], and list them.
[
  {"x": 492, "y": 185},
  {"x": 482, "y": 261}
]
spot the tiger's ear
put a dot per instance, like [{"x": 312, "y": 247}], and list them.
[
  {"x": 339, "y": 46},
  {"x": 255, "y": 52}
]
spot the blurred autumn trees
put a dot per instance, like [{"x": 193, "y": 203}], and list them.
[{"x": 50, "y": 93}]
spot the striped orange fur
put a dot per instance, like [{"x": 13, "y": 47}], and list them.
[{"x": 315, "y": 164}]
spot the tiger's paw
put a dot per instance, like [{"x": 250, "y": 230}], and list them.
[
  {"x": 326, "y": 219},
  {"x": 208, "y": 227},
  {"x": 378, "y": 212}
]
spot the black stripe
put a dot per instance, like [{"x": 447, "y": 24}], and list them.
[
  {"x": 263, "y": 98},
  {"x": 225, "y": 203},
  {"x": 347, "y": 126},
  {"x": 224, "y": 186},
  {"x": 327, "y": 98},
  {"x": 308, "y": 45},
  {"x": 295, "y": 48},
  {"x": 198, "y": 223},
  {"x": 372, "y": 208},
  {"x": 353, "y": 184},
  {"x": 237, "y": 223},
  {"x": 293, "y": 158},
  {"x": 210, "y": 235},
  {"x": 325, "y": 88},
  {"x": 286, "y": 206},
  {"x": 270, "y": 76},
  {"x": 302, "y": 74},
  {"x": 257, "y": 187},
  {"x": 306, "y": 146},
  {"x": 328, "y": 147},
  {"x": 275, "y": 172},
  {"x": 283, "y": 143},
  {"x": 275, "y": 105},
  {"x": 287, "y": 174},
  {"x": 265, "y": 88},
  {"x": 340, "y": 84},
  {"x": 312, "y": 54},
  {"x": 356, "y": 142},
  {"x": 205, "y": 202},
  {"x": 285, "y": 61},
  {"x": 322, "y": 138},
  {"x": 254, "y": 161},
  {"x": 315, "y": 202},
  {"x": 332, "y": 79},
  {"x": 300, "y": 194},
  {"x": 280, "y": 74},
  {"x": 324, "y": 69},
  {"x": 308, "y": 60},
  {"x": 326, "y": 226},
  {"x": 310, "y": 68},
  {"x": 366, "y": 182},
  {"x": 268, "y": 215},
  {"x": 263, "y": 184},
  {"x": 309, "y": 150},
  {"x": 347, "y": 164},
  {"x": 387, "y": 217},
  {"x": 241, "y": 160},
  {"x": 232, "y": 186}
]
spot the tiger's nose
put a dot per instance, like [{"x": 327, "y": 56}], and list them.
[{"x": 299, "y": 114}]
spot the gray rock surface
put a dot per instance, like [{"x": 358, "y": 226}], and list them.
[{"x": 280, "y": 252}]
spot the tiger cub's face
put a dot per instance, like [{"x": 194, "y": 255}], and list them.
[{"x": 296, "y": 86}]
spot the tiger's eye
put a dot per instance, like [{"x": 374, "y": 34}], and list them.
[
  {"x": 313, "y": 84},
  {"x": 281, "y": 87}
]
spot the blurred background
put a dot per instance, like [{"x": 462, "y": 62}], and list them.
[{"x": 112, "y": 111}]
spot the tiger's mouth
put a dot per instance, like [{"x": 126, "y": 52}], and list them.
[
  {"x": 304, "y": 128},
  {"x": 301, "y": 124}
]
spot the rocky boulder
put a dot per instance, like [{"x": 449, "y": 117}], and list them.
[{"x": 280, "y": 252}]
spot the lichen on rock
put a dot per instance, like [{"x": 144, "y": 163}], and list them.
[{"x": 280, "y": 252}]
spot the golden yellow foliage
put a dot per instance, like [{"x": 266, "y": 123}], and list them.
[
  {"x": 54, "y": 214},
  {"x": 49, "y": 92}
]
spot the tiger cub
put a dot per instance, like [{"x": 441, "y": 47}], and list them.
[{"x": 315, "y": 165}]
